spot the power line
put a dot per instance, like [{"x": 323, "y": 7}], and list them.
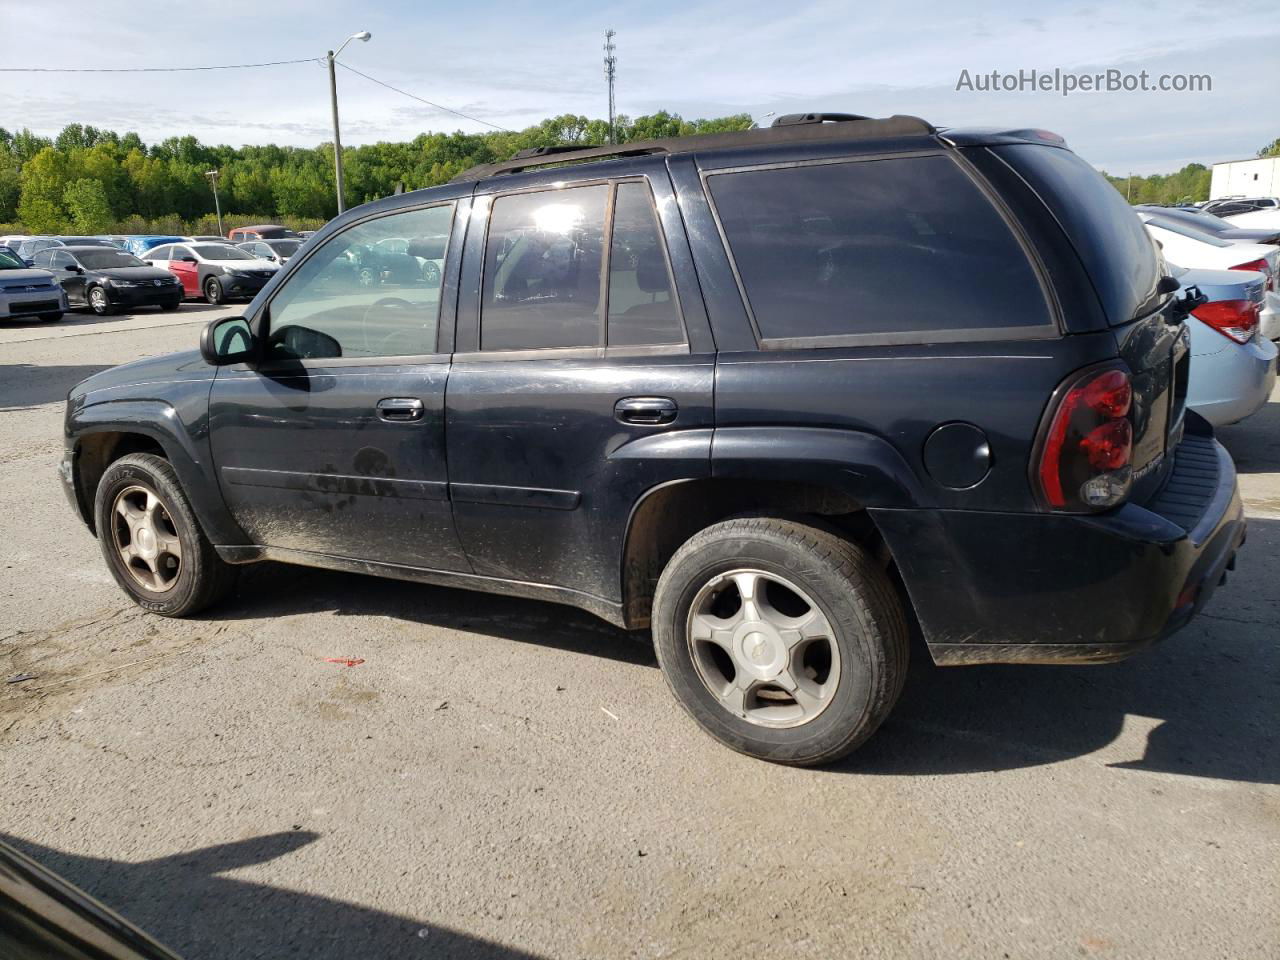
[
  {"x": 224, "y": 66},
  {"x": 411, "y": 96}
]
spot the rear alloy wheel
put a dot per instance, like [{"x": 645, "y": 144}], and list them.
[
  {"x": 784, "y": 641},
  {"x": 213, "y": 291},
  {"x": 100, "y": 303},
  {"x": 152, "y": 542}
]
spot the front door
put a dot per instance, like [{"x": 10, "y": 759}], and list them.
[
  {"x": 583, "y": 376},
  {"x": 66, "y": 269},
  {"x": 334, "y": 444},
  {"x": 183, "y": 265}
]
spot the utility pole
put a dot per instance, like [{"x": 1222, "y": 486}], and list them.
[
  {"x": 330, "y": 57},
  {"x": 213, "y": 178},
  {"x": 1128, "y": 189},
  {"x": 610, "y": 71}
]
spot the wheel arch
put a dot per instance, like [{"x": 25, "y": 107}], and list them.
[
  {"x": 667, "y": 515},
  {"x": 103, "y": 433}
]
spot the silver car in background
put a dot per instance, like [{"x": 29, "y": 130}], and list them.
[
  {"x": 25, "y": 292},
  {"x": 1233, "y": 366}
]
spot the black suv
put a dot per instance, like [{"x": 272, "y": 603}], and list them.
[{"x": 774, "y": 394}]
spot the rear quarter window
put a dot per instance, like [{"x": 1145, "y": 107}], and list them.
[
  {"x": 895, "y": 250},
  {"x": 1106, "y": 233}
]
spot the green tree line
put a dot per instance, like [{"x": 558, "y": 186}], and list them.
[{"x": 87, "y": 180}]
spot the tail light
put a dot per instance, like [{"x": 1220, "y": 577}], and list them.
[
  {"x": 1234, "y": 319},
  {"x": 1262, "y": 267},
  {"x": 1085, "y": 454}
]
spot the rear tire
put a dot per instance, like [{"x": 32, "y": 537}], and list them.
[
  {"x": 804, "y": 669},
  {"x": 152, "y": 542}
]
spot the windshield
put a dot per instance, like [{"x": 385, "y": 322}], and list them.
[
  {"x": 219, "y": 251},
  {"x": 10, "y": 260},
  {"x": 86, "y": 242},
  {"x": 286, "y": 248},
  {"x": 107, "y": 259}
]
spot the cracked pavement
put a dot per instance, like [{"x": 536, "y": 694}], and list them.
[{"x": 506, "y": 779}]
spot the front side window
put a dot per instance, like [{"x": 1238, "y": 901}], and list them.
[
  {"x": 159, "y": 253},
  {"x": 362, "y": 300},
  {"x": 62, "y": 260},
  {"x": 899, "y": 249},
  {"x": 42, "y": 259}
]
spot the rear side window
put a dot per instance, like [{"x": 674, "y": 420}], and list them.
[
  {"x": 1107, "y": 235},
  {"x": 875, "y": 251},
  {"x": 555, "y": 277},
  {"x": 542, "y": 270}
]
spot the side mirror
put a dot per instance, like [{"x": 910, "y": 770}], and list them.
[
  {"x": 226, "y": 341},
  {"x": 1168, "y": 284}
]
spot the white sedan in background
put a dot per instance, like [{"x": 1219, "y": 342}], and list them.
[{"x": 1194, "y": 250}]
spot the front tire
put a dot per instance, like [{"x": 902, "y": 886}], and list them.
[
  {"x": 783, "y": 641},
  {"x": 100, "y": 303},
  {"x": 152, "y": 541},
  {"x": 51, "y": 317},
  {"x": 213, "y": 291},
  {"x": 170, "y": 307}
]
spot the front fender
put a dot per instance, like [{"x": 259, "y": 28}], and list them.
[
  {"x": 185, "y": 446},
  {"x": 866, "y": 467}
]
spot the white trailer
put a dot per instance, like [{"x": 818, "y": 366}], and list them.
[{"x": 1245, "y": 178}]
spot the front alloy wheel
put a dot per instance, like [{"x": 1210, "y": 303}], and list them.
[
  {"x": 147, "y": 539},
  {"x": 99, "y": 302},
  {"x": 213, "y": 291}
]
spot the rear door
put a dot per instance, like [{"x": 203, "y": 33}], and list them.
[
  {"x": 334, "y": 443},
  {"x": 583, "y": 373}
]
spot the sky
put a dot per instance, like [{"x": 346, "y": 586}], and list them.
[{"x": 512, "y": 64}]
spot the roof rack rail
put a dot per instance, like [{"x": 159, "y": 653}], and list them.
[
  {"x": 790, "y": 128},
  {"x": 795, "y": 119}
]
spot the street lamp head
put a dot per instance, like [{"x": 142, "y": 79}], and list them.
[{"x": 362, "y": 35}]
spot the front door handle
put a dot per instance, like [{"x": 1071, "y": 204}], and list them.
[
  {"x": 400, "y": 409},
  {"x": 649, "y": 411}
]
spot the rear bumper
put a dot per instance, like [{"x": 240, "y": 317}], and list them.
[{"x": 1044, "y": 588}]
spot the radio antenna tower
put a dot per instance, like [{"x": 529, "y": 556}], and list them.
[{"x": 610, "y": 71}]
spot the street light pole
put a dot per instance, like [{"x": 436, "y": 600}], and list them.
[
  {"x": 213, "y": 177},
  {"x": 332, "y": 56}
]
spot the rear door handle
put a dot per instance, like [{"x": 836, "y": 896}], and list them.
[
  {"x": 400, "y": 409},
  {"x": 645, "y": 410}
]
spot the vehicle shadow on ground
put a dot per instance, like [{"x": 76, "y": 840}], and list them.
[
  {"x": 184, "y": 902},
  {"x": 272, "y": 590},
  {"x": 31, "y": 385},
  {"x": 1211, "y": 689}
]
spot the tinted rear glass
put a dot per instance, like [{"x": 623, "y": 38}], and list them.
[
  {"x": 887, "y": 250},
  {"x": 1106, "y": 233}
]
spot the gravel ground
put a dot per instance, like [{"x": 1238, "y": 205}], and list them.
[{"x": 502, "y": 778}]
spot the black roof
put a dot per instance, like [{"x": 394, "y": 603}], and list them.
[{"x": 791, "y": 128}]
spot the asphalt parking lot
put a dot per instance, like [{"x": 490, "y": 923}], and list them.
[{"x": 502, "y": 778}]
